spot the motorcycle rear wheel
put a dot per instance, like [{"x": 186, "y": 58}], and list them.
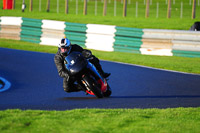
[{"x": 94, "y": 87}]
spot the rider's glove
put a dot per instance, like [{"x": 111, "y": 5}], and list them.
[{"x": 87, "y": 53}]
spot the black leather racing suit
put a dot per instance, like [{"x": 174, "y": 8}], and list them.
[{"x": 68, "y": 83}]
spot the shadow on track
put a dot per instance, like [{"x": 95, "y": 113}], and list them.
[
  {"x": 77, "y": 98},
  {"x": 129, "y": 97},
  {"x": 172, "y": 96}
]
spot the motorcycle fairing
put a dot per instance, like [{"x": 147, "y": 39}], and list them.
[
  {"x": 75, "y": 63},
  {"x": 101, "y": 80}
]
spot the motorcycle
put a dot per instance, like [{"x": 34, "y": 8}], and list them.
[{"x": 86, "y": 75}]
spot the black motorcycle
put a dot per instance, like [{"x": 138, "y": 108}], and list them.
[{"x": 86, "y": 75}]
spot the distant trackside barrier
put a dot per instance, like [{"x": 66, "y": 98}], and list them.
[
  {"x": 10, "y": 27},
  {"x": 31, "y": 30},
  {"x": 103, "y": 37},
  {"x": 76, "y": 33},
  {"x": 171, "y": 42},
  {"x": 128, "y": 39}
]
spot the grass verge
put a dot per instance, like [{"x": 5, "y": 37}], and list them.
[
  {"x": 182, "y": 64},
  {"x": 102, "y": 120},
  {"x": 152, "y": 23}
]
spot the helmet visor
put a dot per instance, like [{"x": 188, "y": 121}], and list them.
[{"x": 64, "y": 49}]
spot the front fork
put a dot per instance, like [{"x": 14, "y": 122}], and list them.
[
  {"x": 103, "y": 85},
  {"x": 85, "y": 86}
]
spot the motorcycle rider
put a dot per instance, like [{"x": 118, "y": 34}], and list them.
[{"x": 64, "y": 49}]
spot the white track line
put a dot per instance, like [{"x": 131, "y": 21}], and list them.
[{"x": 6, "y": 86}]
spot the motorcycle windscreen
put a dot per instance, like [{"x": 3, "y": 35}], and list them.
[{"x": 75, "y": 62}]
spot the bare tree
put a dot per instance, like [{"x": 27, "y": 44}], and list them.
[
  {"x": 85, "y": 8},
  {"x": 125, "y": 8},
  {"x": 31, "y": 5},
  {"x": 147, "y": 9},
  {"x": 169, "y": 9},
  {"x": 66, "y": 6},
  {"x": 48, "y": 5},
  {"x": 194, "y": 9},
  {"x": 105, "y": 8}
]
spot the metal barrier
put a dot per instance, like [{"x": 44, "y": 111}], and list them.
[
  {"x": 76, "y": 33},
  {"x": 100, "y": 37},
  {"x": 171, "y": 42},
  {"x": 128, "y": 39},
  {"x": 103, "y": 37},
  {"x": 31, "y": 30},
  {"x": 10, "y": 27}
]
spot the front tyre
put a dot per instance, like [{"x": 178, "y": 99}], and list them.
[
  {"x": 108, "y": 92},
  {"x": 93, "y": 86}
]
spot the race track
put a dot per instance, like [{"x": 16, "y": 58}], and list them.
[{"x": 35, "y": 84}]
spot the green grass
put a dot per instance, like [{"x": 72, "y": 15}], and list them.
[
  {"x": 183, "y": 64},
  {"x": 175, "y": 22},
  {"x": 177, "y": 120},
  {"x": 131, "y": 7},
  {"x": 152, "y": 23},
  {"x": 109, "y": 120}
]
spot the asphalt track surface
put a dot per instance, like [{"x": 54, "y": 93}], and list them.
[{"x": 35, "y": 84}]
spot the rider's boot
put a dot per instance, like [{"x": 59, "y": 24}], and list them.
[
  {"x": 73, "y": 88},
  {"x": 105, "y": 75},
  {"x": 77, "y": 88}
]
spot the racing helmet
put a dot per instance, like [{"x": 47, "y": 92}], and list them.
[{"x": 65, "y": 46}]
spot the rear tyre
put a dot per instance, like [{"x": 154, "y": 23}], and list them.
[{"x": 91, "y": 83}]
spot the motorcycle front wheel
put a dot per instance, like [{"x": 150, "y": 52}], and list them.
[
  {"x": 108, "y": 92},
  {"x": 93, "y": 86}
]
